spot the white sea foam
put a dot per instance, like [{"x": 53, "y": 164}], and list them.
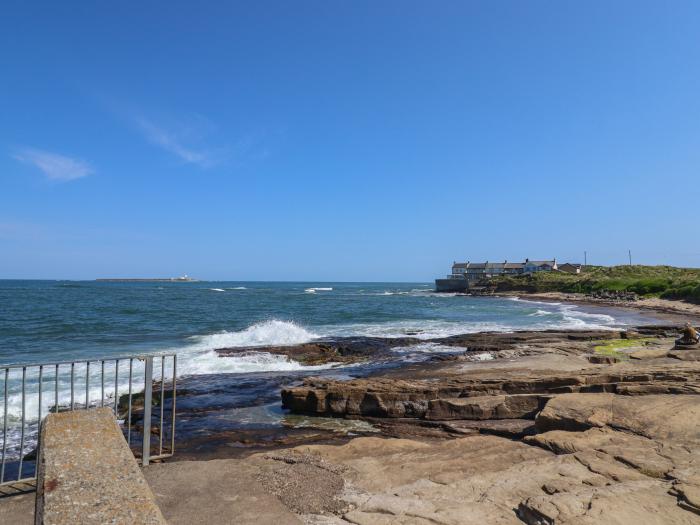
[
  {"x": 266, "y": 333},
  {"x": 217, "y": 289},
  {"x": 80, "y": 373},
  {"x": 531, "y": 301},
  {"x": 199, "y": 356},
  {"x": 427, "y": 348},
  {"x": 419, "y": 328},
  {"x": 318, "y": 289},
  {"x": 237, "y": 288},
  {"x": 483, "y": 356},
  {"x": 417, "y": 293},
  {"x": 573, "y": 317}
]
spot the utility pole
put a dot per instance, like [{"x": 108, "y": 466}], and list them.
[
  {"x": 585, "y": 259},
  {"x": 629, "y": 252}
]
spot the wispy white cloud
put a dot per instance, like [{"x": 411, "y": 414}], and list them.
[
  {"x": 173, "y": 142},
  {"x": 191, "y": 137},
  {"x": 54, "y": 166}
]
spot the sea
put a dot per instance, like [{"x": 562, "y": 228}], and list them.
[
  {"x": 58, "y": 321},
  {"x": 45, "y": 321}
]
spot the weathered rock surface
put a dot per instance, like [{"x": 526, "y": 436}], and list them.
[
  {"x": 649, "y": 353},
  {"x": 590, "y": 443},
  {"x": 487, "y": 479},
  {"x": 662, "y": 417},
  {"x": 685, "y": 355},
  {"x": 640, "y": 501},
  {"x": 389, "y": 397},
  {"x": 486, "y": 407}
]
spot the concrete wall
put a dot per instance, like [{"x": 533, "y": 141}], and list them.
[
  {"x": 451, "y": 285},
  {"x": 86, "y": 474}
]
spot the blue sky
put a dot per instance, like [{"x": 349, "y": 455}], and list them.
[{"x": 345, "y": 140}]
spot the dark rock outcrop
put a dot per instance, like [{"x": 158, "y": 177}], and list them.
[
  {"x": 341, "y": 350},
  {"x": 387, "y": 397}
]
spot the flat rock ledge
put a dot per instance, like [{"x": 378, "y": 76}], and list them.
[
  {"x": 518, "y": 396},
  {"x": 88, "y": 476},
  {"x": 522, "y": 442},
  {"x": 601, "y": 475}
]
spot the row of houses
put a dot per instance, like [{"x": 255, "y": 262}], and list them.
[
  {"x": 473, "y": 271},
  {"x": 466, "y": 275}
]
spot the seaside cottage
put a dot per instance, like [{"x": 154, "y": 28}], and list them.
[{"x": 570, "y": 268}]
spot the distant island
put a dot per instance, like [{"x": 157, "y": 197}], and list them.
[{"x": 183, "y": 279}]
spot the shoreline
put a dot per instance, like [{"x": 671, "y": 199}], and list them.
[
  {"x": 665, "y": 309},
  {"x": 545, "y": 426},
  {"x": 543, "y": 432},
  {"x": 369, "y": 359}
]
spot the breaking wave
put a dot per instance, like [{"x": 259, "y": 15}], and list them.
[
  {"x": 200, "y": 356},
  {"x": 574, "y": 318},
  {"x": 266, "y": 333}
]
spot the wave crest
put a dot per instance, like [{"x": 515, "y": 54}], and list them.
[{"x": 267, "y": 333}]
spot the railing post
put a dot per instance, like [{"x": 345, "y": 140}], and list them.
[{"x": 147, "y": 401}]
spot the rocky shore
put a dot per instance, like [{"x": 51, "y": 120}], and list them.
[
  {"x": 544, "y": 433},
  {"x": 539, "y": 427}
]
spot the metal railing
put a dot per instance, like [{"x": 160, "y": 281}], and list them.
[{"x": 30, "y": 392}]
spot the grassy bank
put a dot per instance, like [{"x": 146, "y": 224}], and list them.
[{"x": 666, "y": 282}]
